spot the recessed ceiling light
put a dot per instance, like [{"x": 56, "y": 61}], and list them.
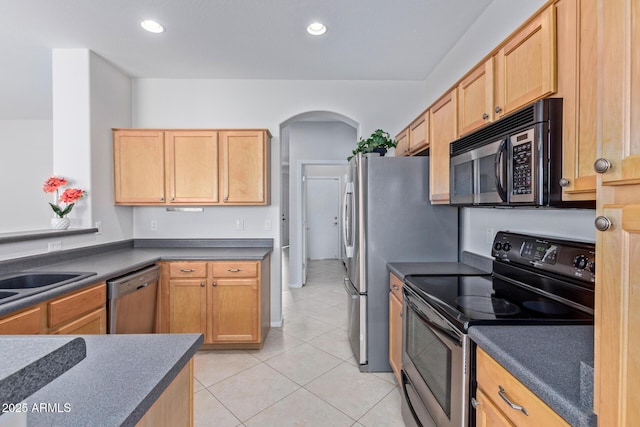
[
  {"x": 152, "y": 26},
  {"x": 316, "y": 29}
]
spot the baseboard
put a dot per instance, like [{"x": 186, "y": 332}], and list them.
[{"x": 277, "y": 324}]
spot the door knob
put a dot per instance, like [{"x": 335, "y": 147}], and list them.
[
  {"x": 602, "y": 223},
  {"x": 601, "y": 165}
]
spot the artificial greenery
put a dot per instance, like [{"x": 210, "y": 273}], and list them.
[{"x": 378, "y": 139}]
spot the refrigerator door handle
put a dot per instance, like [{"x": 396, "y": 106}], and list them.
[{"x": 347, "y": 225}]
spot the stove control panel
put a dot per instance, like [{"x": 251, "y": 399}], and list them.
[{"x": 564, "y": 257}]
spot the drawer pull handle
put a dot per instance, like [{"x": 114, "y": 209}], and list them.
[
  {"x": 504, "y": 397},
  {"x": 187, "y": 270},
  {"x": 395, "y": 287},
  {"x": 234, "y": 270}
]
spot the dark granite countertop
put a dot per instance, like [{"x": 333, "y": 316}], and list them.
[
  {"x": 115, "y": 384},
  {"x": 550, "y": 361},
  {"x": 116, "y": 263}
]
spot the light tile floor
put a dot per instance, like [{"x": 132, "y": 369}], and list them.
[{"x": 305, "y": 375}]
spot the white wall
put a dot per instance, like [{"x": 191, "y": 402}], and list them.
[
  {"x": 90, "y": 96},
  {"x": 26, "y": 161},
  {"x": 499, "y": 20},
  {"x": 182, "y": 103}
]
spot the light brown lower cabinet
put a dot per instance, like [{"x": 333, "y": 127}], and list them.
[
  {"x": 80, "y": 312},
  {"x": 495, "y": 386},
  {"x": 227, "y": 301},
  {"x": 395, "y": 325},
  {"x": 174, "y": 407}
]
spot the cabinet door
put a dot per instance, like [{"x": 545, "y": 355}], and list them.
[
  {"x": 244, "y": 167},
  {"x": 93, "y": 323},
  {"x": 138, "y": 166},
  {"x": 526, "y": 64},
  {"x": 577, "y": 86},
  {"x": 487, "y": 415},
  {"x": 234, "y": 310},
  {"x": 419, "y": 133},
  {"x": 395, "y": 335},
  {"x": 187, "y": 306},
  {"x": 621, "y": 91},
  {"x": 617, "y": 336},
  {"x": 192, "y": 166},
  {"x": 402, "y": 149},
  {"x": 475, "y": 92},
  {"x": 444, "y": 127},
  {"x": 27, "y": 322}
]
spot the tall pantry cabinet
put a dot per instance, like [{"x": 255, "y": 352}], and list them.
[{"x": 617, "y": 331}]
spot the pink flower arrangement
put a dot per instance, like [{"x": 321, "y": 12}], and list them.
[{"x": 70, "y": 196}]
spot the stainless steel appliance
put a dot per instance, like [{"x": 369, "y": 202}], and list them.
[
  {"x": 387, "y": 217},
  {"x": 515, "y": 161},
  {"x": 132, "y": 302},
  {"x": 535, "y": 280}
]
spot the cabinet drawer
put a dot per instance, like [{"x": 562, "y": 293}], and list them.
[
  {"x": 234, "y": 269},
  {"x": 68, "y": 307},
  {"x": 188, "y": 269},
  {"x": 94, "y": 323},
  {"x": 395, "y": 286},
  {"x": 491, "y": 376}
]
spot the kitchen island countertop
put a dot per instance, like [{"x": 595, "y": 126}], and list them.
[
  {"x": 115, "y": 384},
  {"x": 549, "y": 361}
]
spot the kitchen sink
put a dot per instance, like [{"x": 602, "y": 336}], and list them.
[
  {"x": 36, "y": 280},
  {"x": 22, "y": 284}
]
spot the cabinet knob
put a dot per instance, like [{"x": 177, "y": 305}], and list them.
[
  {"x": 602, "y": 223},
  {"x": 172, "y": 199},
  {"x": 601, "y": 165},
  {"x": 474, "y": 402},
  {"x": 498, "y": 110},
  {"x": 202, "y": 284},
  {"x": 214, "y": 284},
  {"x": 564, "y": 182},
  {"x": 226, "y": 198},
  {"x": 485, "y": 116},
  {"x": 162, "y": 199}
]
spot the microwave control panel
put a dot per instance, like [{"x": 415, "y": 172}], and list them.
[
  {"x": 522, "y": 166},
  {"x": 572, "y": 259}
]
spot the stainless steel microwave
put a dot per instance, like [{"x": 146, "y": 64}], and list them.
[{"x": 514, "y": 161}]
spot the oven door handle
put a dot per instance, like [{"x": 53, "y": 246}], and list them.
[
  {"x": 500, "y": 170},
  {"x": 448, "y": 334}
]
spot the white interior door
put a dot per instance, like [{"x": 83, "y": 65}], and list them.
[{"x": 322, "y": 217}]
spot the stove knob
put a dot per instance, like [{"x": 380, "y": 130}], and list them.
[
  {"x": 506, "y": 247},
  {"x": 497, "y": 246},
  {"x": 580, "y": 262}
]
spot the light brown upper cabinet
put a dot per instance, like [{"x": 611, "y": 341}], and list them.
[
  {"x": 419, "y": 133},
  {"x": 444, "y": 129},
  {"x": 475, "y": 92},
  {"x": 577, "y": 85},
  {"x": 402, "y": 149},
  {"x": 191, "y": 167},
  {"x": 525, "y": 64},
  {"x": 245, "y": 167}
]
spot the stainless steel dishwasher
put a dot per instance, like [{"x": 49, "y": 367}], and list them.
[{"x": 133, "y": 300}]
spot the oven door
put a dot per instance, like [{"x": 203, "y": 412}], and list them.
[{"x": 435, "y": 360}]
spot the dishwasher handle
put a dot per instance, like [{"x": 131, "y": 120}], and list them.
[{"x": 132, "y": 282}]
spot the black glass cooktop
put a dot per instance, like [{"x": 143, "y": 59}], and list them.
[{"x": 469, "y": 300}]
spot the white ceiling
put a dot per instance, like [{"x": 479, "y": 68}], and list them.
[{"x": 226, "y": 39}]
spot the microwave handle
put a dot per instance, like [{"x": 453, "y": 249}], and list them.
[{"x": 500, "y": 170}]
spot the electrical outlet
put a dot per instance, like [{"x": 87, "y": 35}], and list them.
[
  {"x": 490, "y": 236},
  {"x": 267, "y": 224},
  {"x": 239, "y": 224},
  {"x": 154, "y": 225},
  {"x": 98, "y": 225},
  {"x": 55, "y": 246}
]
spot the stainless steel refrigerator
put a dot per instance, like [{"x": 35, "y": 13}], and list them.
[{"x": 387, "y": 217}]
